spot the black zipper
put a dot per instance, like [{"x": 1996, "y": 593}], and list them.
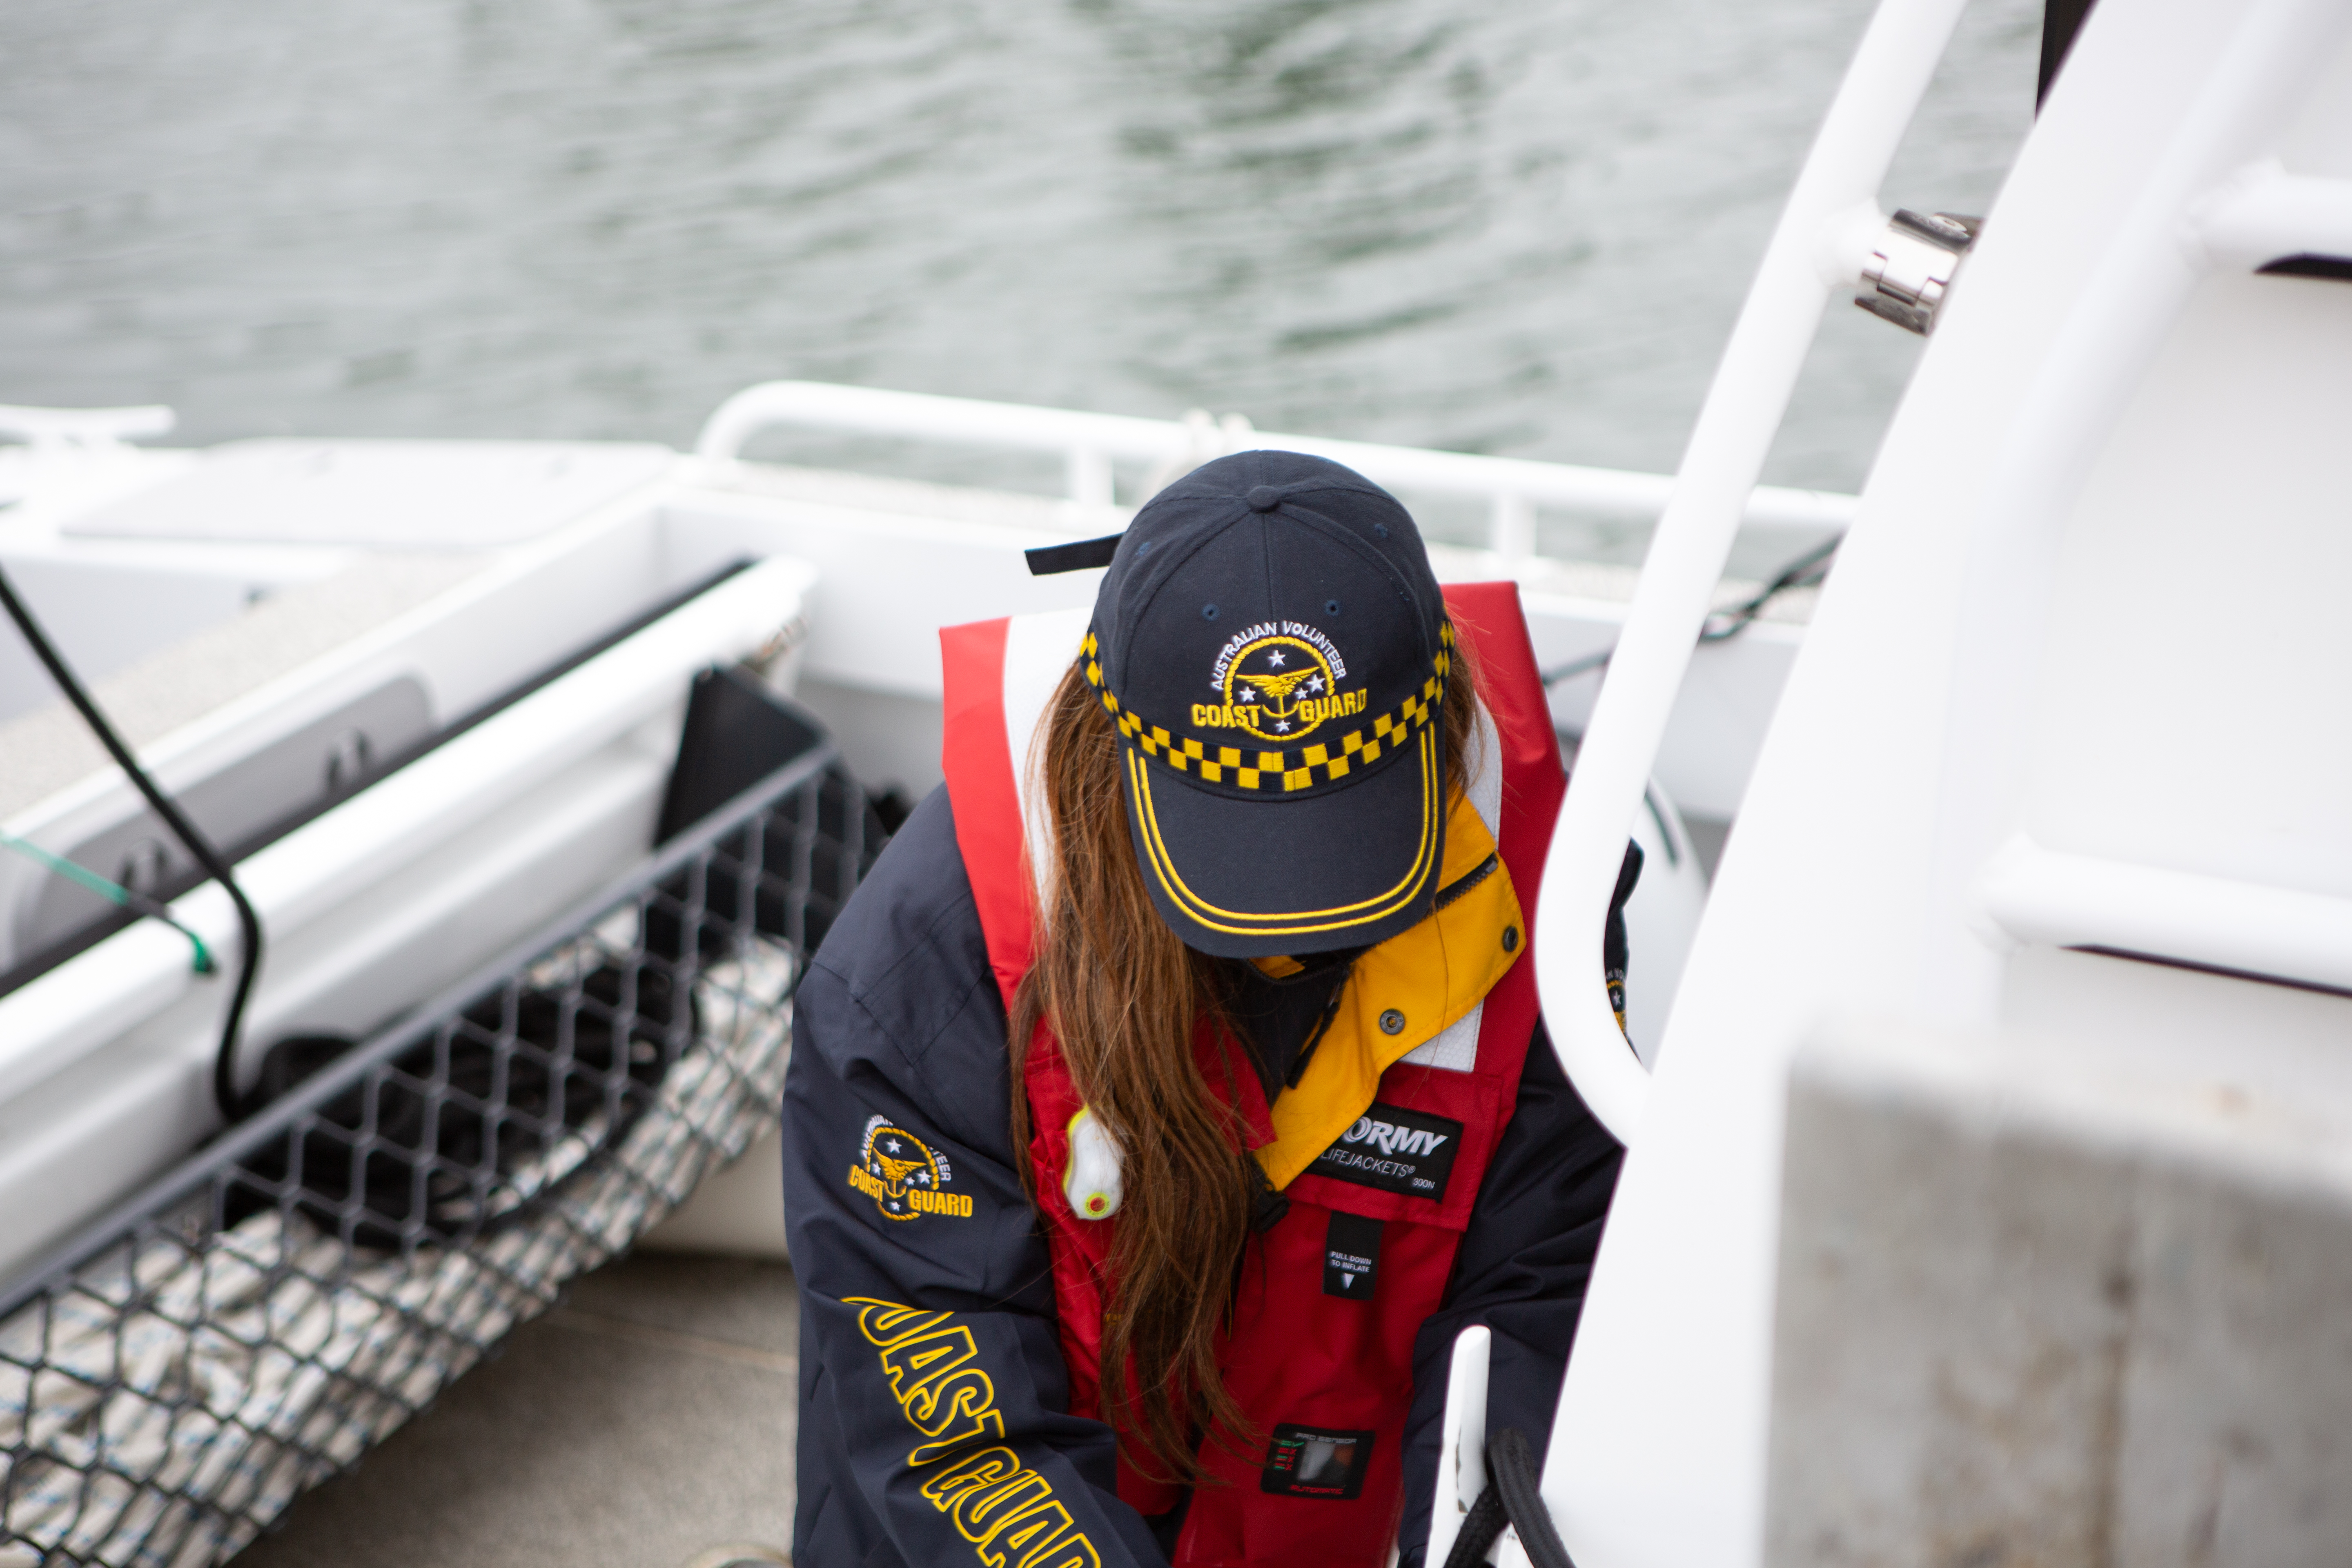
[{"x": 1469, "y": 879}]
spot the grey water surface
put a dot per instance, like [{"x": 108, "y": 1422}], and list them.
[{"x": 1505, "y": 227}]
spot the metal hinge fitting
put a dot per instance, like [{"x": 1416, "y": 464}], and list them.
[{"x": 1913, "y": 266}]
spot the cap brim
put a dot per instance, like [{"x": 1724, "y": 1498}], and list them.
[{"x": 1242, "y": 878}]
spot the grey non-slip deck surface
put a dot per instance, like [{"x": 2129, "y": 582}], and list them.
[{"x": 646, "y": 1421}]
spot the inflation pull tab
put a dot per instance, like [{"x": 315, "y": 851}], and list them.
[
  {"x": 1091, "y": 1183},
  {"x": 1351, "y": 1255}
]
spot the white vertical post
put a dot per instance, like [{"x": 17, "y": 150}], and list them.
[
  {"x": 1088, "y": 473},
  {"x": 1462, "y": 1443},
  {"x": 1512, "y": 527}
]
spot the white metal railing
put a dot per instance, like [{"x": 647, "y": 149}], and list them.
[
  {"x": 1658, "y": 1451},
  {"x": 84, "y": 426},
  {"x": 1090, "y": 443},
  {"x": 2052, "y": 898},
  {"x": 2267, "y": 215},
  {"x": 1831, "y": 225}
]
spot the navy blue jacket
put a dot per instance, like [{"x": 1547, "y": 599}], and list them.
[{"x": 902, "y": 1188}]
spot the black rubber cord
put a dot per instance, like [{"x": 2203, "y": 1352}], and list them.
[
  {"x": 1513, "y": 1465},
  {"x": 224, "y": 1093},
  {"x": 1513, "y": 1497},
  {"x": 1480, "y": 1530},
  {"x": 1807, "y": 571}
]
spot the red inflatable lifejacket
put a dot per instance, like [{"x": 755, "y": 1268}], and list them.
[{"x": 1380, "y": 1147}]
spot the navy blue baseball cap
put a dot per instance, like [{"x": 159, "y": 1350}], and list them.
[{"x": 1273, "y": 648}]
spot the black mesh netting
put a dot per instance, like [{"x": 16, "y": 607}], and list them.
[{"x": 289, "y": 1296}]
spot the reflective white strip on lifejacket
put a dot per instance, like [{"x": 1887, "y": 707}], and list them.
[
  {"x": 1456, "y": 1046},
  {"x": 1038, "y": 651}
]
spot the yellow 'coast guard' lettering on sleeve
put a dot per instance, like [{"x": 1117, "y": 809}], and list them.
[{"x": 1007, "y": 1511}]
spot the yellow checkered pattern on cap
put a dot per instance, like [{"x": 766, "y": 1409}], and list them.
[{"x": 1323, "y": 762}]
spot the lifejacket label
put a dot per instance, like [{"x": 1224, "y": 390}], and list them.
[
  {"x": 1395, "y": 1149},
  {"x": 1351, "y": 1255},
  {"x": 1305, "y": 1461}
]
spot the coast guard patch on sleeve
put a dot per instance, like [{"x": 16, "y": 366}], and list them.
[{"x": 905, "y": 1176}]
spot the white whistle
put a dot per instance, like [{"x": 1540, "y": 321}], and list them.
[{"x": 1091, "y": 1183}]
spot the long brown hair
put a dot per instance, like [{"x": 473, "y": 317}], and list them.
[{"x": 1125, "y": 997}]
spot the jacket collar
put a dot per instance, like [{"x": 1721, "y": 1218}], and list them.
[{"x": 1431, "y": 976}]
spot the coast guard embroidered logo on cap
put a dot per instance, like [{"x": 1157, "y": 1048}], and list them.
[
  {"x": 1269, "y": 630},
  {"x": 904, "y": 1177},
  {"x": 1279, "y": 681}
]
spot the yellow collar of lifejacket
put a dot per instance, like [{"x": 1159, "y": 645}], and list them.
[{"x": 1402, "y": 995}]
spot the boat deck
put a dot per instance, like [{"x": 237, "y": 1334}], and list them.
[{"x": 643, "y": 1424}]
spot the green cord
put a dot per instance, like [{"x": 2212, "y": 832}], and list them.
[
  {"x": 68, "y": 869},
  {"x": 114, "y": 891}
]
